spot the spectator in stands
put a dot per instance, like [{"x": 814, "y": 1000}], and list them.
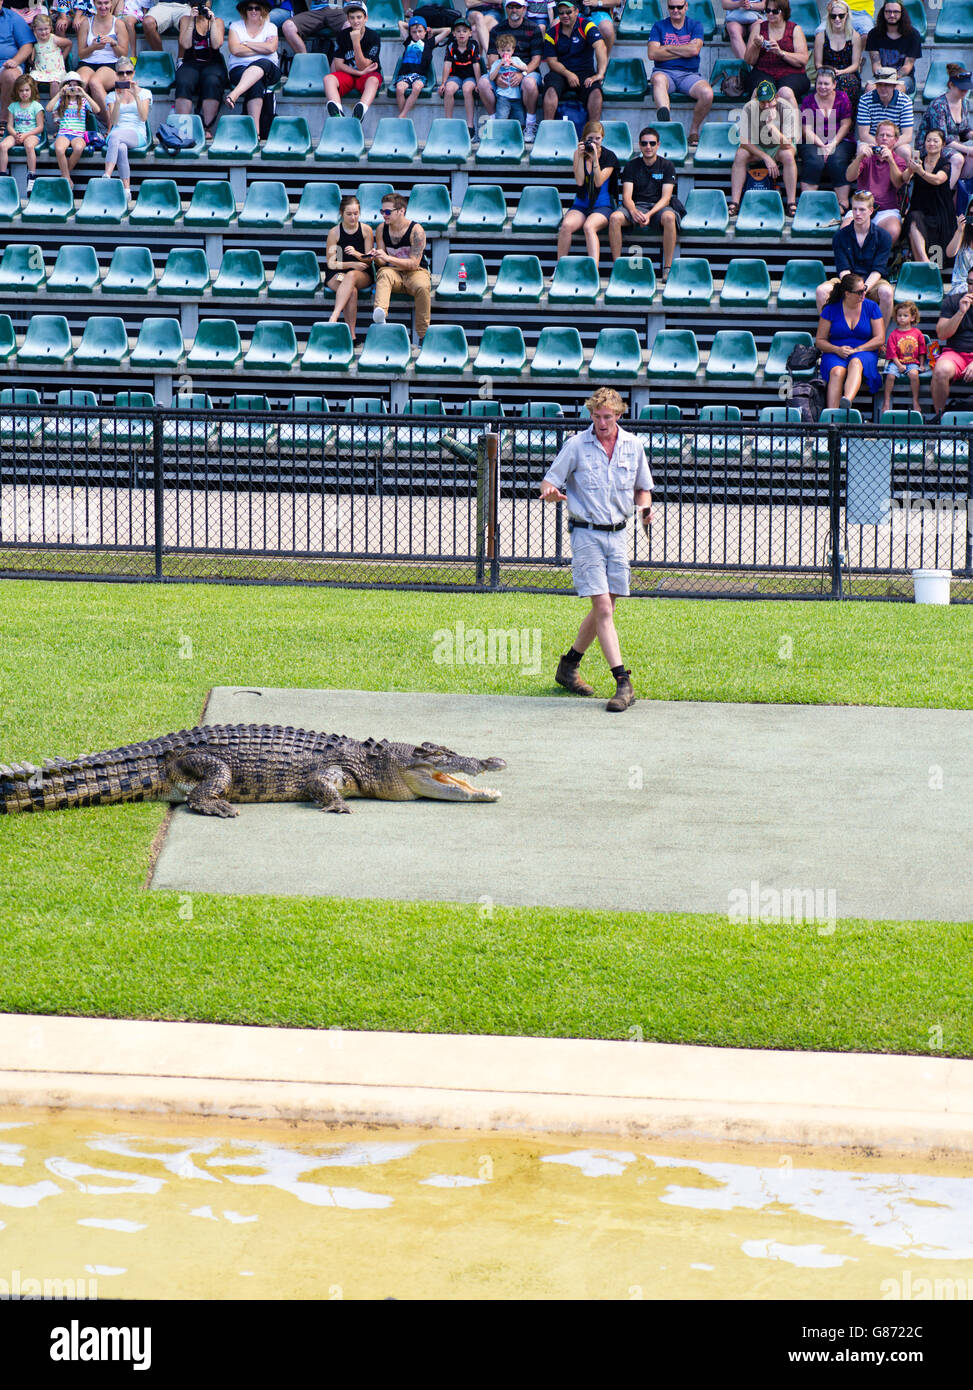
[
  {"x": 321, "y": 20},
  {"x": 864, "y": 249},
  {"x": 674, "y": 47},
  {"x": 483, "y": 16},
  {"x": 601, "y": 18},
  {"x": 777, "y": 50},
  {"x": 25, "y": 127},
  {"x": 904, "y": 351},
  {"x": 50, "y": 51},
  {"x": 952, "y": 114},
  {"x": 128, "y": 114},
  {"x": 201, "y": 74},
  {"x": 347, "y": 254},
  {"x": 740, "y": 15},
  {"x": 955, "y": 329},
  {"x": 932, "y": 211},
  {"x": 649, "y": 200},
  {"x": 862, "y": 17},
  {"x": 71, "y": 107},
  {"x": 850, "y": 333},
  {"x": 826, "y": 127},
  {"x": 879, "y": 169},
  {"x": 894, "y": 43},
  {"x": 541, "y": 13},
  {"x": 530, "y": 49},
  {"x": 769, "y": 135},
  {"x": 838, "y": 46},
  {"x": 506, "y": 73},
  {"x": 356, "y": 65},
  {"x": 577, "y": 60},
  {"x": 462, "y": 70},
  {"x": 252, "y": 42},
  {"x": 158, "y": 21},
  {"x": 402, "y": 266},
  {"x": 887, "y": 102},
  {"x": 961, "y": 246},
  {"x": 415, "y": 66},
  {"x": 102, "y": 41},
  {"x": 596, "y": 175}
]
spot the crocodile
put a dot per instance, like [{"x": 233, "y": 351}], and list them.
[{"x": 213, "y": 766}]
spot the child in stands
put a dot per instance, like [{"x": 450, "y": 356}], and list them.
[
  {"x": 50, "y": 50},
  {"x": 71, "y": 107},
  {"x": 461, "y": 71},
  {"x": 904, "y": 351},
  {"x": 25, "y": 126},
  {"x": 415, "y": 69}
]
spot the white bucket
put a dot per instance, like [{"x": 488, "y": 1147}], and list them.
[{"x": 932, "y": 586}]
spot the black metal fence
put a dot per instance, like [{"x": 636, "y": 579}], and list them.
[{"x": 309, "y": 495}]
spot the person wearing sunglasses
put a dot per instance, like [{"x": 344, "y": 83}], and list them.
[
  {"x": 777, "y": 51},
  {"x": 649, "y": 201},
  {"x": 849, "y": 336},
  {"x": 128, "y": 112},
  {"x": 577, "y": 60},
  {"x": 252, "y": 41},
  {"x": 401, "y": 263},
  {"x": 839, "y": 47},
  {"x": 674, "y": 47}
]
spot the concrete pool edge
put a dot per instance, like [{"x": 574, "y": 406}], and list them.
[{"x": 893, "y": 1104}]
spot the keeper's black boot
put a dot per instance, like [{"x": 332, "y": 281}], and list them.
[{"x": 567, "y": 675}]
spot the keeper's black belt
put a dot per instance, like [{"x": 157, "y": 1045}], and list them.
[{"x": 595, "y": 525}]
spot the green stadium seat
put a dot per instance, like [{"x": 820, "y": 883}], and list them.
[
  {"x": 79, "y": 429},
  {"x": 733, "y": 356},
  {"x": 554, "y": 145},
  {"x": 807, "y": 15},
  {"x": 105, "y": 202},
  {"x": 8, "y": 340},
  {"x": 637, "y": 19},
  {"x": 558, "y": 352},
  {"x": 47, "y": 341},
  {"x": 519, "y": 278},
  {"x": 160, "y": 345},
  {"x": 484, "y": 209},
  {"x": 935, "y": 83},
  {"x": 9, "y": 198},
  {"x": 448, "y": 142},
  {"x": 217, "y": 345},
  {"x": 690, "y": 282},
  {"x": 156, "y": 72},
  {"x": 186, "y": 272},
  {"x": 917, "y": 13},
  {"x": 539, "y": 443},
  {"x": 370, "y": 197},
  {"x": 201, "y": 433},
  {"x": 912, "y": 448},
  {"x": 787, "y": 448},
  {"x": 661, "y": 447},
  {"x": 717, "y": 146},
  {"x": 306, "y": 76},
  {"x": 818, "y": 214},
  {"x": 625, "y": 81},
  {"x": 448, "y": 290},
  {"x": 539, "y": 210},
  {"x": 104, "y": 343},
  {"x": 394, "y": 141},
  {"x": 189, "y": 126},
  {"x": 424, "y": 437},
  {"x": 241, "y": 273},
  {"x": 632, "y": 281},
  {"x": 75, "y": 271},
  {"x": 430, "y": 205},
  {"x": 387, "y": 349},
  {"x": 329, "y": 348},
  {"x": 235, "y": 137},
  {"x": 921, "y": 281},
  {"x": 798, "y": 284},
  {"x": 781, "y": 346},
  {"x": 158, "y": 204},
  {"x": 342, "y": 140},
  {"x": 19, "y": 429},
  {"x": 51, "y": 200},
  {"x": 955, "y": 23},
  {"x": 747, "y": 282},
  {"x": 212, "y": 205},
  {"x": 288, "y": 139},
  {"x": 953, "y": 450},
  {"x": 617, "y": 355},
  {"x": 131, "y": 271},
  {"x": 241, "y": 436},
  {"x": 673, "y": 144},
  {"x": 384, "y": 16},
  {"x": 575, "y": 281},
  {"x": 761, "y": 214},
  {"x": 444, "y": 349},
  {"x": 308, "y": 433},
  {"x": 266, "y": 205},
  {"x": 502, "y": 351},
  {"x": 476, "y": 409},
  {"x": 718, "y": 71},
  {"x": 120, "y": 433},
  {"x": 297, "y": 276},
  {"x": 706, "y": 212},
  {"x": 371, "y": 438},
  {"x": 21, "y": 268},
  {"x": 712, "y": 447},
  {"x": 319, "y": 206},
  {"x": 674, "y": 355},
  {"x": 618, "y": 139},
  {"x": 273, "y": 347},
  {"x": 501, "y": 142}
]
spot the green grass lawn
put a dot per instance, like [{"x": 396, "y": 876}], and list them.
[{"x": 88, "y": 666}]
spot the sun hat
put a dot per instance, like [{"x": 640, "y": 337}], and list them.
[
  {"x": 888, "y": 75},
  {"x": 766, "y": 91},
  {"x": 962, "y": 80},
  {"x": 73, "y": 76},
  {"x": 244, "y": 5}
]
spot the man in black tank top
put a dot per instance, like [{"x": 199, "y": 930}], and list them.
[{"x": 401, "y": 263}]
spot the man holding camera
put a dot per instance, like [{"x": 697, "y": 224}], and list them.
[{"x": 604, "y": 473}]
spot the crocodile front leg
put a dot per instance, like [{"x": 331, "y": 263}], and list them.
[
  {"x": 325, "y": 788},
  {"x": 212, "y": 777}
]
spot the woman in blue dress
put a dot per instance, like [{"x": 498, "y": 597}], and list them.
[{"x": 850, "y": 333}]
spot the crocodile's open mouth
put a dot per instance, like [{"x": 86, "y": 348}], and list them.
[{"x": 447, "y": 786}]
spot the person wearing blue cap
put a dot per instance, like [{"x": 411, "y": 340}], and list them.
[{"x": 415, "y": 67}]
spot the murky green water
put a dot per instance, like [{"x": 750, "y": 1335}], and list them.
[{"x": 141, "y": 1206}]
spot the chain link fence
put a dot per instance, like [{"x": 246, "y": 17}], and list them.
[{"x": 309, "y": 495}]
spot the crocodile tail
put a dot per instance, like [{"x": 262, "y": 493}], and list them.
[{"x": 103, "y": 780}]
